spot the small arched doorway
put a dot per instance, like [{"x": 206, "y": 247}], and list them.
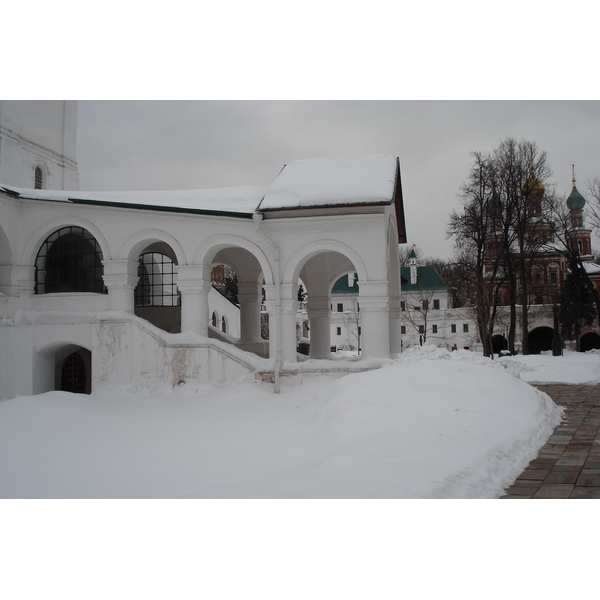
[
  {"x": 589, "y": 341},
  {"x": 499, "y": 343},
  {"x": 73, "y": 376},
  {"x": 73, "y": 369},
  {"x": 540, "y": 340}
]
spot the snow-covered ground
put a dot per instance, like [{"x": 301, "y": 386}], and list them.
[{"x": 433, "y": 424}]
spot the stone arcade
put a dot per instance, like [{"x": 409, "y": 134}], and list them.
[{"x": 92, "y": 283}]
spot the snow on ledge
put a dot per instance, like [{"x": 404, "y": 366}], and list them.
[{"x": 242, "y": 199}]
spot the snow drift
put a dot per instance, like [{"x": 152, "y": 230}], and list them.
[{"x": 432, "y": 424}]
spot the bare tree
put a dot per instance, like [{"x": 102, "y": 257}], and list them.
[
  {"x": 352, "y": 322},
  {"x": 419, "y": 303},
  {"x": 594, "y": 206},
  {"x": 504, "y": 226},
  {"x": 473, "y": 230}
]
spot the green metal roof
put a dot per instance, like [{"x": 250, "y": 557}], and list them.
[
  {"x": 427, "y": 279},
  {"x": 341, "y": 286}
]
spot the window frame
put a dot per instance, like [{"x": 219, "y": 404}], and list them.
[{"x": 75, "y": 259}]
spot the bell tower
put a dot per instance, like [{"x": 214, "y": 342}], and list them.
[
  {"x": 38, "y": 141},
  {"x": 581, "y": 237}
]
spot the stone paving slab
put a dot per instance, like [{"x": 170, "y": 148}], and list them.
[{"x": 568, "y": 466}]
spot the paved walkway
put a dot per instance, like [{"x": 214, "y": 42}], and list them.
[{"x": 568, "y": 466}]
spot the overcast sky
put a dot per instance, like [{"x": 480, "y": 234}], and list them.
[{"x": 144, "y": 145}]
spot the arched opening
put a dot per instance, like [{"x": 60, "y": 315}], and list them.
[
  {"x": 223, "y": 302},
  {"x": 72, "y": 375},
  {"x": 156, "y": 297},
  {"x": 73, "y": 369},
  {"x": 319, "y": 273},
  {"x": 589, "y": 341},
  {"x": 63, "y": 366},
  {"x": 499, "y": 343},
  {"x": 236, "y": 298},
  {"x": 345, "y": 315},
  {"x": 540, "y": 340},
  {"x": 69, "y": 260}
]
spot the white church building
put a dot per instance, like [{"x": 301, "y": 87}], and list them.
[{"x": 107, "y": 287}]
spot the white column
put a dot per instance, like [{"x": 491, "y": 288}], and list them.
[
  {"x": 26, "y": 281},
  {"x": 249, "y": 297},
  {"x": 319, "y": 316},
  {"x": 375, "y": 319},
  {"x": 193, "y": 281},
  {"x": 120, "y": 278},
  {"x": 282, "y": 310}
]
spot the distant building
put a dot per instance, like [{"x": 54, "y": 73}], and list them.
[
  {"x": 548, "y": 272},
  {"x": 426, "y": 311}
]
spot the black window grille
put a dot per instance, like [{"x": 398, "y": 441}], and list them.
[
  {"x": 70, "y": 260},
  {"x": 157, "y": 283},
  {"x": 39, "y": 178}
]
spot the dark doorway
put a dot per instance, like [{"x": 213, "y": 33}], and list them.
[
  {"x": 540, "y": 340},
  {"x": 499, "y": 343},
  {"x": 73, "y": 378},
  {"x": 589, "y": 341}
]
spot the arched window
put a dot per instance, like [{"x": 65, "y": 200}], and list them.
[
  {"x": 157, "y": 283},
  {"x": 70, "y": 260},
  {"x": 223, "y": 325},
  {"x": 214, "y": 319},
  {"x": 38, "y": 178}
]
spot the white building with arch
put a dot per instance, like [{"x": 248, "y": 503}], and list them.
[{"x": 103, "y": 288}]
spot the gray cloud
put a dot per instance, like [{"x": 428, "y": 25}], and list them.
[{"x": 131, "y": 145}]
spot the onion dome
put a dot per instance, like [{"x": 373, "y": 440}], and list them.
[
  {"x": 534, "y": 188},
  {"x": 575, "y": 201}
]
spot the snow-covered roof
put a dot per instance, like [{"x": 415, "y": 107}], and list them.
[
  {"x": 591, "y": 268},
  {"x": 317, "y": 182},
  {"x": 333, "y": 181},
  {"x": 237, "y": 201}
]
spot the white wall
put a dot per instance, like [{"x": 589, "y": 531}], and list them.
[{"x": 39, "y": 132}]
